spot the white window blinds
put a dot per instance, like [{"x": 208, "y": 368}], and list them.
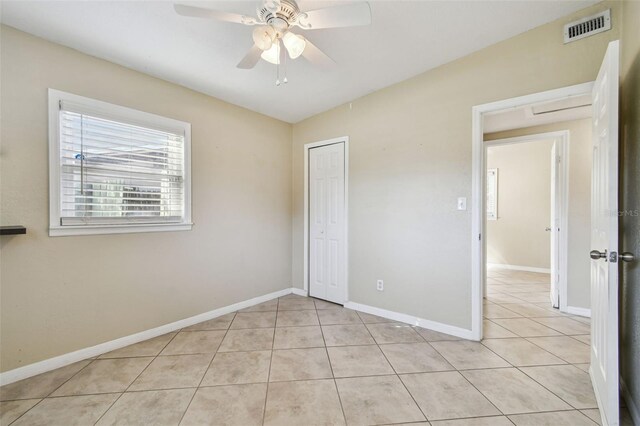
[
  {"x": 492, "y": 194},
  {"x": 115, "y": 171}
]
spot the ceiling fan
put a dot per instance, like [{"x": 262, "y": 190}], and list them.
[{"x": 276, "y": 18}]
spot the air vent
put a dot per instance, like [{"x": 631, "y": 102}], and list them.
[{"x": 587, "y": 26}]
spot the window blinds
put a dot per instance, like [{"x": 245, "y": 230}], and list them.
[{"x": 117, "y": 172}]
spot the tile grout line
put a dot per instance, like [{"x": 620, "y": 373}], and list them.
[
  {"x": 552, "y": 392},
  {"x": 559, "y": 331},
  {"x": 468, "y": 381},
  {"x": 50, "y": 393},
  {"x": 516, "y": 366},
  {"x": 530, "y": 337},
  {"x": 519, "y": 369},
  {"x": 558, "y": 411},
  {"x": 273, "y": 341},
  {"x": 402, "y": 381},
  {"x": 333, "y": 376},
  {"x": 136, "y": 378},
  {"x": 207, "y": 369},
  {"x": 567, "y": 363}
]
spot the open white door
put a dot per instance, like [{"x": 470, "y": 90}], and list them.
[
  {"x": 554, "y": 226},
  {"x": 604, "y": 239}
]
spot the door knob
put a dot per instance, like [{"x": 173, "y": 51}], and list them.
[
  {"x": 595, "y": 254},
  {"x": 627, "y": 257},
  {"x": 547, "y": 229}
]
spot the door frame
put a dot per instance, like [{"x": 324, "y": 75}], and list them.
[
  {"x": 561, "y": 140},
  {"x": 478, "y": 178},
  {"x": 307, "y": 147}
]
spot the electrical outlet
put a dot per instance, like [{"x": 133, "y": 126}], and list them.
[{"x": 380, "y": 285}]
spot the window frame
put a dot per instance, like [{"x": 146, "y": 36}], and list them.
[{"x": 126, "y": 115}]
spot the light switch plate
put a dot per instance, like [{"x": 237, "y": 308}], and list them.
[{"x": 462, "y": 203}]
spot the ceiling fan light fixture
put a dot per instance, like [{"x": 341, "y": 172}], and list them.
[
  {"x": 295, "y": 44},
  {"x": 263, "y": 37},
  {"x": 274, "y": 20},
  {"x": 272, "y": 55}
]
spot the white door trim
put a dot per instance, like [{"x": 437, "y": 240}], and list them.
[
  {"x": 477, "y": 182},
  {"x": 562, "y": 140},
  {"x": 344, "y": 140}
]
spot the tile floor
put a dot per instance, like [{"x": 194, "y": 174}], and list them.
[{"x": 300, "y": 361}]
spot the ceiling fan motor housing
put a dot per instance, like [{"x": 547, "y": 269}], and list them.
[{"x": 283, "y": 18}]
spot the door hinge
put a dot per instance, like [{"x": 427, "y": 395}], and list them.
[{"x": 479, "y": 237}]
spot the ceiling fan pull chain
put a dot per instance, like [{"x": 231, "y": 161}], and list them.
[
  {"x": 278, "y": 65},
  {"x": 285, "y": 80}
]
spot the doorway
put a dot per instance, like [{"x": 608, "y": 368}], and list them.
[
  {"x": 603, "y": 224},
  {"x": 325, "y": 215},
  {"x": 527, "y": 195},
  {"x": 570, "y": 95}
]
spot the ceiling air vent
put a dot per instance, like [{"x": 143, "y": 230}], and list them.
[{"x": 587, "y": 26}]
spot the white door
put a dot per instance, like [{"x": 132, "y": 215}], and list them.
[
  {"x": 327, "y": 223},
  {"x": 554, "y": 226},
  {"x": 604, "y": 238}
]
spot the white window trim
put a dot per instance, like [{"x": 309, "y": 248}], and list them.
[{"x": 131, "y": 116}]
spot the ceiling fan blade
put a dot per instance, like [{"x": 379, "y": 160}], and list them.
[
  {"x": 251, "y": 58},
  {"x": 316, "y": 56},
  {"x": 350, "y": 15},
  {"x": 201, "y": 12}
]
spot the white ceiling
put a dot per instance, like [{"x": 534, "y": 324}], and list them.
[
  {"x": 405, "y": 39},
  {"x": 573, "y": 108}
]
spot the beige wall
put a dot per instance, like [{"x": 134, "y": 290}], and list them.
[
  {"x": 410, "y": 158},
  {"x": 66, "y": 293},
  {"x": 518, "y": 236},
  {"x": 630, "y": 203},
  {"x": 579, "y": 215}
]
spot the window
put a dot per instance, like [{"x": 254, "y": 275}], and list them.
[
  {"x": 115, "y": 169},
  {"x": 492, "y": 194}
]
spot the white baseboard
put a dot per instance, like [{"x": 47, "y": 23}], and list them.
[
  {"x": 631, "y": 406},
  {"x": 409, "y": 319},
  {"x": 519, "y": 268},
  {"x": 583, "y": 312},
  {"x": 299, "y": 291},
  {"x": 40, "y": 367}
]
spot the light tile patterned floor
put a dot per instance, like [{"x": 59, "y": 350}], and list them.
[{"x": 300, "y": 361}]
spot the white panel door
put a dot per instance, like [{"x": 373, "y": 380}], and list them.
[
  {"x": 555, "y": 226},
  {"x": 604, "y": 238},
  {"x": 327, "y": 255}
]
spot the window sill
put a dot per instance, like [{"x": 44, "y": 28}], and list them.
[{"x": 64, "y": 231}]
